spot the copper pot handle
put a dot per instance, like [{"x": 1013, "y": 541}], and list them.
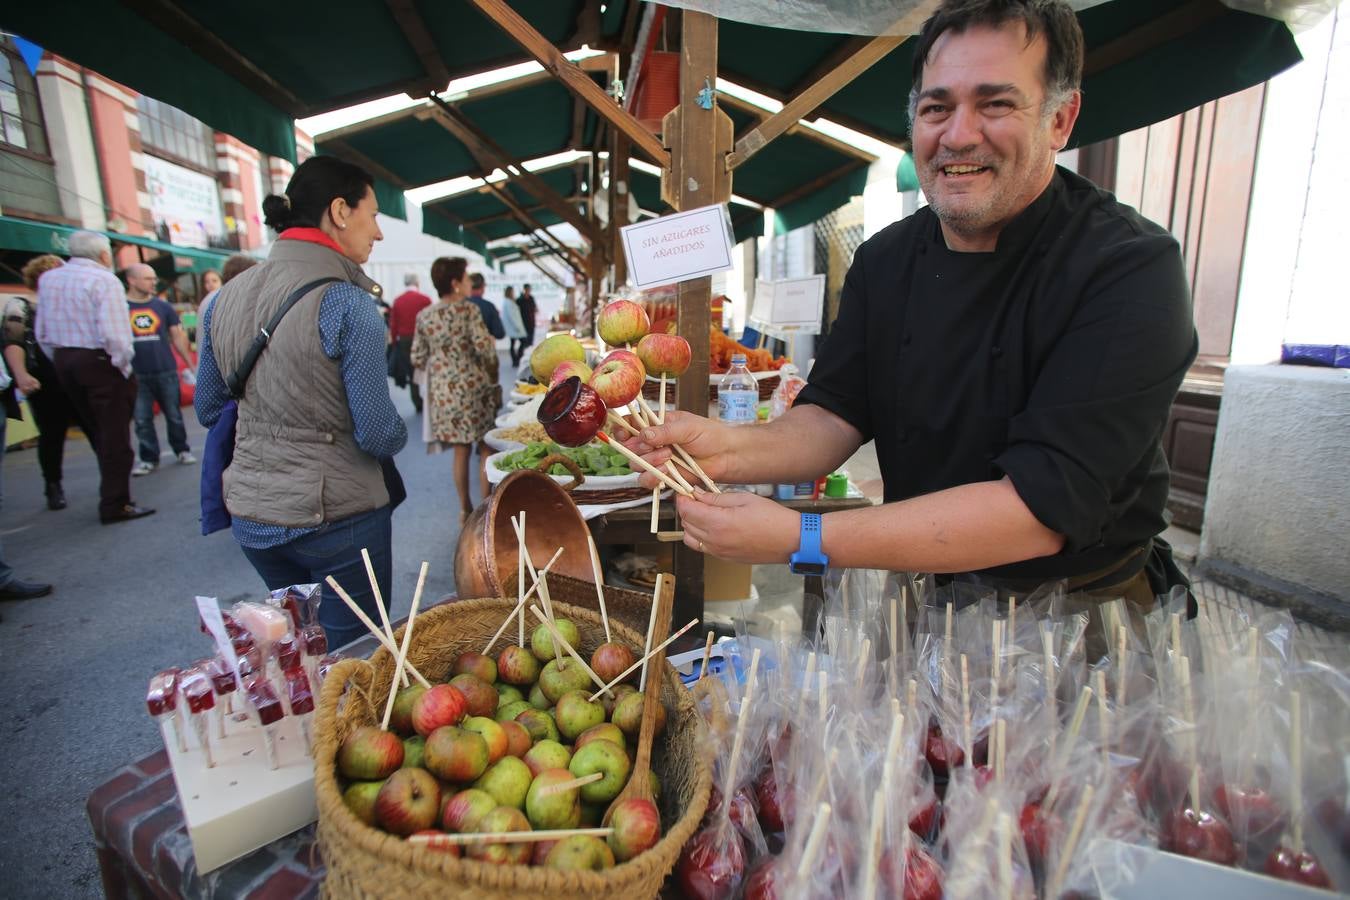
[{"x": 578, "y": 479}]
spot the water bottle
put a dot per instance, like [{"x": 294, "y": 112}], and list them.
[{"x": 738, "y": 394}]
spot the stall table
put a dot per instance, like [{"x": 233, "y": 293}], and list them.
[{"x": 633, "y": 526}]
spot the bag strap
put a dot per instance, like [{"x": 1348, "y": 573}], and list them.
[{"x": 236, "y": 380}]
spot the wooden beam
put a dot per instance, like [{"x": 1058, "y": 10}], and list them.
[
  {"x": 588, "y": 24},
  {"x": 537, "y": 208},
  {"x": 370, "y": 124},
  {"x": 797, "y": 130},
  {"x": 829, "y": 84},
  {"x": 862, "y": 127},
  {"x": 1157, "y": 31},
  {"x": 530, "y": 222},
  {"x": 577, "y": 81},
  {"x": 699, "y": 140},
  {"x": 414, "y": 28},
  {"x": 578, "y": 124},
  {"x": 490, "y": 156},
  {"x": 547, "y": 274},
  {"x": 173, "y": 21},
  {"x": 620, "y": 189}
]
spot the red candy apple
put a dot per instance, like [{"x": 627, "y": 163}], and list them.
[
  {"x": 922, "y": 875},
  {"x": 1303, "y": 868},
  {"x": 1196, "y": 833},
  {"x": 572, "y": 413},
  {"x": 761, "y": 883},
  {"x": 943, "y": 755},
  {"x": 1249, "y": 808},
  {"x": 711, "y": 865}
]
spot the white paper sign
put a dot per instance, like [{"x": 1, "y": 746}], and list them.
[
  {"x": 678, "y": 247},
  {"x": 185, "y": 201},
  {"x": 790, "y": 303}
]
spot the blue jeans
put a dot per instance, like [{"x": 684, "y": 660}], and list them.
[
  {"x": 161, "y": 387},
  {"x": 335, "y": 549}
]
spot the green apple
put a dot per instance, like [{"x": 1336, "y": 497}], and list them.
[
  {"x": 369, "y": 754},
  {"x": 628, "y": 715},
  {"x": 456, "y": 754},
  {"x": 509, "y": 712},
  {"x": 503, "y": 818},
  {"x": 539, "y": 724},
  {"x": 463, "y": 811},
  {"x": 541, "y": 640},
  {"x": 507, "y": 780},
  {"x": 545, "y": 755},
  {"x": 607, "y": 731},
  {"x": 551, "y": 351},
  {"x": 507, "y": 693},
  {"x": 537, "y": 698},
  {"x": 612, "y": 697},
  {"x": 580, "y": 853},
  {"x": 360, "y": 799},
  {"x": 400, "y": 720},
  {"x": 414, "y": 749},
  {"x": 575, "y": 714},
  {"x": 560, "y": 677},
  {"x": 558, "y": 810},
  {"x": 492, "y": 732},
  {"x": 607, "y": 758}
]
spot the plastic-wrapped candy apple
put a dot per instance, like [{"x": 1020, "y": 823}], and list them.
[
  {"x": 762, "y": 881},
  {"x": 1196, "y": 833},
  {"x": 712, "y": 865},
  {"x": 1304, "y": 868},
  {"x": 922, "y": 875},
  {"x": 942, "y": 755}
]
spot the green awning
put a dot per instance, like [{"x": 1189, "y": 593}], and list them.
[
  {"x": 746, "y": 221},
  {"x": 1147, "y": 60},
  {"x": 906, "y": 176},
  {"x": 43, "y": 237},
  {"x": 251, "y": 67},
  {"x": 477, "y": 215}
]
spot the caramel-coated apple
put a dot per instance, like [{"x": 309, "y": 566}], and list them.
[{"x": 572, "y": 413}]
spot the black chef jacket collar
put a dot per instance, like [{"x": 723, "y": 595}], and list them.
[{"x": 1022, "y": 229}]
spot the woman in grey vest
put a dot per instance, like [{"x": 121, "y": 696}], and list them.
[{"x": 306, "y": 489}]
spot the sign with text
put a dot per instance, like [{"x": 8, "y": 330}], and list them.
[
  {"x": 184, "y": 201},
  {"x": 790, "y": 303},
  {"x": 678, "y": 247}
]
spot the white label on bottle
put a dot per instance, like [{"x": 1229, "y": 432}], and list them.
[{"x": 737, "y": 407}]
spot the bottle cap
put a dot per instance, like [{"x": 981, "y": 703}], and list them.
[
  {"x": 836, "y": 485},
  {"x": 738, "y": 359}
]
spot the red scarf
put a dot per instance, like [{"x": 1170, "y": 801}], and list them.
[{"x": 313, "y": 235}]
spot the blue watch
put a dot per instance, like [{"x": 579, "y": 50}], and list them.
[{"x": 809, "y": 560}]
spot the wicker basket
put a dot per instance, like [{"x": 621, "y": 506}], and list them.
[
  {"x": 364, "y": 862},
  {"x": 632, "y": 608}
]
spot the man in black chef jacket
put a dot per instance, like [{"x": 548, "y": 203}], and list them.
[{"x": 1013, "y": 349}]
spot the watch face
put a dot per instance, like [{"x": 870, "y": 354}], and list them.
[{"x": 807, "y": 568}]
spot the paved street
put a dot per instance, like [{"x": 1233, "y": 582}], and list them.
[{"x": 74, "y": 665}]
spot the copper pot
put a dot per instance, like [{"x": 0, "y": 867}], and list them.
[{"x": 485, "y": 561}]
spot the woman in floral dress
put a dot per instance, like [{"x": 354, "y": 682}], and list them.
[{"x": 457, "y": 357}]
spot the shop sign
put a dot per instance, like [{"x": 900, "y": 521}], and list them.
[
  {"x": 678, "y": 247},
  {"x": 184, "y": 201}
]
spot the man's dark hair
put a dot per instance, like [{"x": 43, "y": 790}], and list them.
[
  {"x": 1054, "y": 19},
  {"x": 235, "y": 265},
  {"x": 476, "y": 281},
  {"x": 446, "y": 271},
  {"x": 317, "y": 182}
]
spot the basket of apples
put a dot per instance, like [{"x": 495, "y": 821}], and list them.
[{"x": 509, "y": 768}]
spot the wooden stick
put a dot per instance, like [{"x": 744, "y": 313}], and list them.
[
  {"x": 656, "y": 510},
  {"x": 1071, "y": 843},
  {"x": 863, "y": 653},
  {"x": 1001, "y": 735},
  {"x": 642, "y": 463},
  {"x": 675, "y": 473},
  {"x": 661, "y": 402},
  {"x": 911, "y": 695},
  {"x": 742, "y": 718},
  {"x": 1191, "y": 745},
  {"x": 1062, "y": 758},
  {"x": 1103, "y": 720},
  {"x": 520, "y": 605},
  {"x": 872, "y": 863},
  {"x": 824, "y": 680},
  {"x": 373, "y": 628},
  {"x": 379, "y": 600},
  {"x": 615, "y": 419},
  {"x": 1296, "y": 766},
  {"x": 403, "y": 650},
  {"x": 1005, "y": 878},
  {"x": 707, "y": 656},
  {"x": 688, "y": 461},
  {"x": 520, "y": 595},
  {"x": 814, "y": 841},
  {"x": 559, "y": 639},
  {"x": 808, "y": 676},
  {"x": 505, "y": 837},
  {"x": 1011, "y": 634},
  {"x": 655, "y": 650},
  {"x": 947, "y": 631},
  {"x": 966, "y": 732},
  {"x": 599, "y": 583},
  {"x": 1121, "y": 661},
  {"x": 890, "y": 637},
  {"x": 1051, "y": 700},
  {"x": 561, "y": 786},
  {"x": 904, "y": 625},
  {"x": 651, "y": 626}
]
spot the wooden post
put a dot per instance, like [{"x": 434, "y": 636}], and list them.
[
  {"x": 699, "y": 140},
  {"x": 618, "y": 203}
]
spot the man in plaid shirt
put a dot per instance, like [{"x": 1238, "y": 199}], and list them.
[{"x": 82, "y": 325}]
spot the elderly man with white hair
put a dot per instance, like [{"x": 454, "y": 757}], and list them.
[{"x": 82, "y": 325}]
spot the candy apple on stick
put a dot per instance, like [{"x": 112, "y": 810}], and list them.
[
  {"x": 161, "y": 699},
  {"x": 1295, "y": 862}
]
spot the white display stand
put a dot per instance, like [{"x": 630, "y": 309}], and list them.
[
  {"x": 242, "y": 803},
  {"x": 1129, "y": 872}
]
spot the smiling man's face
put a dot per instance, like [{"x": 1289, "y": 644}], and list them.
[{"x": 984, "y": 148}]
